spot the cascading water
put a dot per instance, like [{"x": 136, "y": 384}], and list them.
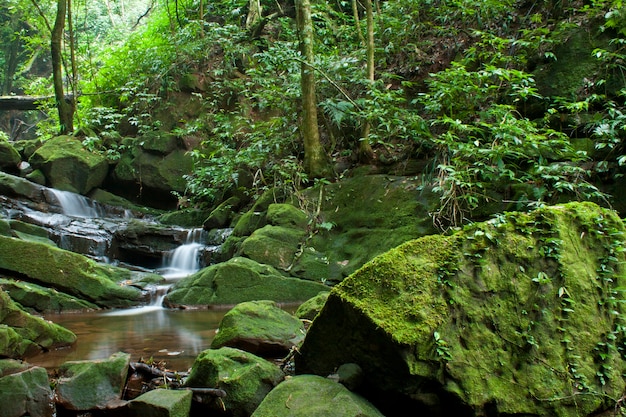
[
  {"x": 76, "y": 205},
  {"x": 185, "y": 260}
]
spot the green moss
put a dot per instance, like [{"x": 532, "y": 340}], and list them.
[{"x": 273, "y": 245}]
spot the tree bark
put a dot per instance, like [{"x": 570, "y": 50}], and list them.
[
  {"x": 65, "y": 106},
  {"x": 364, "y": 151},
  {"x": 315, "y": 161}
]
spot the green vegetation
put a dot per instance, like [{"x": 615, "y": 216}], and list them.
[{"x": 496, "y": 96}]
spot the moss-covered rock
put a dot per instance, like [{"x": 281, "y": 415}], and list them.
[
  {"x": 9, "y": 157},
  {"x": 311, "y": 307},
  {"x": 238, "y": 280},
  {"x": 314, "y": 396},
  {"x": 286, "y": 215},
  {"x": 245, "y": 377},
  {"x": 42, "y": 299},
  {"x": 68, "y": 272},
  {"x": 22, "y": 334},
  {"x": 13, "y": 186},
  {"x": 161, "y": 403},
  {"x": 92, "y": 384},
  {"x": 520, "y": 315},
  {"x": 259, "y": 327},
  {"x": 25, "y": 390},
  {"x": 68, "y": 166},
  {"x": 273, "y": 245},
  {"x": 222, "y": 215}
]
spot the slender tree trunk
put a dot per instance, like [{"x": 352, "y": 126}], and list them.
[
  {"x": 315, "y": 161},
  {"x": 364, "y": 152},
  {"x": 65, "y": 107},
  {"x": 357, "y": 21}
]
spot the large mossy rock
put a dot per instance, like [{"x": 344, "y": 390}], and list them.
[
  {"x": 68, "y": 272},
  {"x": 68, "y": 166},
  {"x": 238, "y": 280},
  {"x": 22, "y": 334},
  {"x": 259, "y": 327},
  {"x": 24, "y": 390},
  {"x": 245, "y": 377},
  {"x": 9, "y": 157},
  {"x": 314, "y": 396},
  {"x": 42, "y": 299},
  {"x": 92, "y": 384},
  {"x": 521, "y": 315},
  {"x": 13, "y": 186}
]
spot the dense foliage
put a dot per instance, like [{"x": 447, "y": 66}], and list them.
[{"x": 458, "y": 83}]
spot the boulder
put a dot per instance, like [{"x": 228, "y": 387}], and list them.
[
  {"x": 68, "y": 166},
  {"x": 286, "y": 215},
  {"x": 274, "y": 245},
  {"x": 517, "y": 316},
  {"x": 245, "y": 377},
  {"x": 13, "y": 186},
  {"x": 9, "y": 157},
  {"x": 25, "y": 390},
  {"x": 92, "y": 384},
  {"x": 312, "y": 396},
  {"x": 222, "y": 215},
  {"x": 238, "y": 280},
  {"x": 22, "y": 334},
  {"x": 161, "y": 403},
  {"x": 42, "y": 299},
  {"x": 68, "y": 272},
  {"x": 259, "y": 327},
  {"x": 311, "y": 307}
]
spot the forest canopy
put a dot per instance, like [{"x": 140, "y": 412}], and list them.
[{"x": 514, "y": 100}]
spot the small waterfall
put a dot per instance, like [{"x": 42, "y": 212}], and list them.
[
  {"x": 185, "y": 259},
  {"x": 76, "y": 205}
]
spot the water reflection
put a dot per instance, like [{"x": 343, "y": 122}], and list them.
[{"x": 173, "y": 336}]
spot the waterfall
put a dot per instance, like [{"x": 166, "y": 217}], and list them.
[
  {"x": 185, "y": 259},
  {"x": 76, "y": 205}
]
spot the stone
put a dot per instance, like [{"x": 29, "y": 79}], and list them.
[
  {"x": 238, "y": 280},
  {"x": 68, "y": 166},
  {"x": 259, "y": 327},
  {"x": 506, "y": 317},
  {"x": 245, "y": 377},
  {"x": 222, "y": 215},
  {"x": 274, "y": 245},
  {"x": 92, "y": 384},
  {"x": 13, "y": 186},
  {"x": 42, "y": 299},
  {"x": 9, "y": 157},
  {"x": 286, "y": 215},
  {"x": 25, "y": 390},
  {"x": 314, "y": 396},
  {"x": 161, "y": 403},
  {"x": 311, "y": 307},
  {"x": 22, "y": 334},
  {"x": 68, "y": 272}
]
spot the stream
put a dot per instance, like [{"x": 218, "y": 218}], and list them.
[{"x": 149, "y": 331}]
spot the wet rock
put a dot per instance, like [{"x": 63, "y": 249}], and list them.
[
  {"x": 238, "y": 280},
  {"x": 92, "y": 384},
  {"x": 245, "y": 377},
  {"x": 42, "y": 299},
  {"x": 22, "y": 334},
  {"x": 507, "y": 317},
  {"x": 68, "y": 272},
  {"x": 24, "y": 390},
  {"x": 13, "y": 186},
  {"x": 274, "y": 245},
  {"x": 259, "y": 327},
  {"x": 311, "y": 307},
  {"x": 311, "y": 395},
  {"x": 160, "y": 403},
  {"x": 68, "y": 166},
  {"x": 223, "y": 214}
]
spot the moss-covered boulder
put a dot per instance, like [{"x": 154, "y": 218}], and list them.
[
  {"x": 274, "y": 245},
  {"x": 259, "y": 327},
  {"x": 68, "y": 166},
  {"x": 313, "y": 396},
  {"x": 13, "y": 186},
  {"x": 68, "y": 272},
  {"x": 245, "y": 377},
  {"x": 311, "y": 307},
  {"x": 42, "y": 299},
  {"x": 160, "y": 403},
  {"x": 25, "y": 390},
  {"x": 521, "y": 315},
  {"x": 238, "y": 280},
  {"x": 9, "y": 157},
  {"x": 92, "y": 384},
  {"x": 22, "y": 334},
  {"x": 222, "y": 215}
]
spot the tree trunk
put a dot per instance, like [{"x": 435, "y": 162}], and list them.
[
  {"x": 364, "y": 151},
  {"x": 65, "y": 107},
  {"x": 315, "y": 161}
]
